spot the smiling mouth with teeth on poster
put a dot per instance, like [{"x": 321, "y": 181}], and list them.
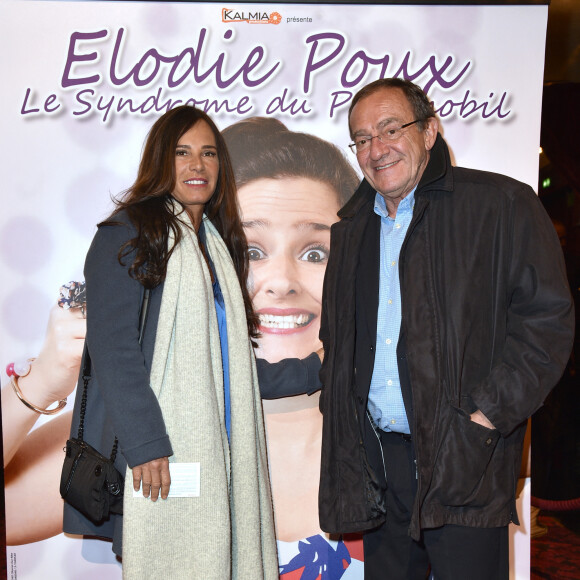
[{"x": 284, "y": 324}]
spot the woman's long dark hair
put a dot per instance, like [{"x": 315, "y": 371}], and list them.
[{"x": 146, "y": 204}]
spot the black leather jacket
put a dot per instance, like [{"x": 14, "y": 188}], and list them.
[{"x": 487, "y": 323}]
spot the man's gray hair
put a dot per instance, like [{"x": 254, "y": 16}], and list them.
[{"x": 420, "y": 103}]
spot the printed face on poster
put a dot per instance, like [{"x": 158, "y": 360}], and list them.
[{"x": 84, "y": 82}]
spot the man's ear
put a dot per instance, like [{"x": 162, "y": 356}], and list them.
[{"x": 430, "y": 132}]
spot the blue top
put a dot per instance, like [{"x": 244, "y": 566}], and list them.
[
  {"x": 385, "y": 397},
  {"x": 220, "y": 310}
]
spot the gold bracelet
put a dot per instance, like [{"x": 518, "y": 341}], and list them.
[{"x": 61, "y": 403}]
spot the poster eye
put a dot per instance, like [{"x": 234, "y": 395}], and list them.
[{"x": 255, "y": 254}]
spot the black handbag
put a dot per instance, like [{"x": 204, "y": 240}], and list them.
[{"x": 89, "y": 481}]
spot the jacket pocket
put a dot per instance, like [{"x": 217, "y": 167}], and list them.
[{"x": 465, "y": 455}]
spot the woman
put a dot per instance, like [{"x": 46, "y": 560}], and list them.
[
  {"x": 188, "y": 394},
  {"x": 265, "y": 152},
  {"x": 290, "y": 188}
]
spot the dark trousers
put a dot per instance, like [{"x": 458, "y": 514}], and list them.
[{"x": 451, "y": 552}]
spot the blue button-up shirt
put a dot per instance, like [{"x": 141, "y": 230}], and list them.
[{"x": 385, "y": 397}]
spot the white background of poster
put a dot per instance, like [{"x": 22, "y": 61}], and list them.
[{"x": 59, "y": 169}]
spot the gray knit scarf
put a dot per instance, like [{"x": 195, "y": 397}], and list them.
[{"x": 227, "y": 532}]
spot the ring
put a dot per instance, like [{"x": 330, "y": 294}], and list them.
[{"x": 73, "y": 295}]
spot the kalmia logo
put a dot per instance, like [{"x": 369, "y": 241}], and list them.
[{"x": 229, "y": 15}]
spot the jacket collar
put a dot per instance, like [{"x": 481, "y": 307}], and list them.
[{"x": 436, "y": 176}]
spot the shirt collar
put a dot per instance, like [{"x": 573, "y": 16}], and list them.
[{"x": 406, "y": 204}]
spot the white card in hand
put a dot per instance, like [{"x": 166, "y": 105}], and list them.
[{"x": 185, "y": 480}]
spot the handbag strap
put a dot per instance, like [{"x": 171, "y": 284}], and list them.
[{"x": 87, "y": 370}]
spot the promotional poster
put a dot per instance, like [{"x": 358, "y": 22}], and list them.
[{"x": 84, "y": 82}]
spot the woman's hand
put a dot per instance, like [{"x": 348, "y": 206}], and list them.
[
  {"x": 60, "y": 357},
  {"x": 154, "y": 477},
  {"x": 53, "y": 376}
]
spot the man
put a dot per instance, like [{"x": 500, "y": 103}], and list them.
[{"x": 446, "y": 321}]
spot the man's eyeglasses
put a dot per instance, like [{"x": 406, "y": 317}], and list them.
[{"x": 388, "y": 134}]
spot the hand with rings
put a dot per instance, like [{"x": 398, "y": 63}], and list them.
[
  {"x": 53, "y": 374},
  {"x": 60, "y": 357}
]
